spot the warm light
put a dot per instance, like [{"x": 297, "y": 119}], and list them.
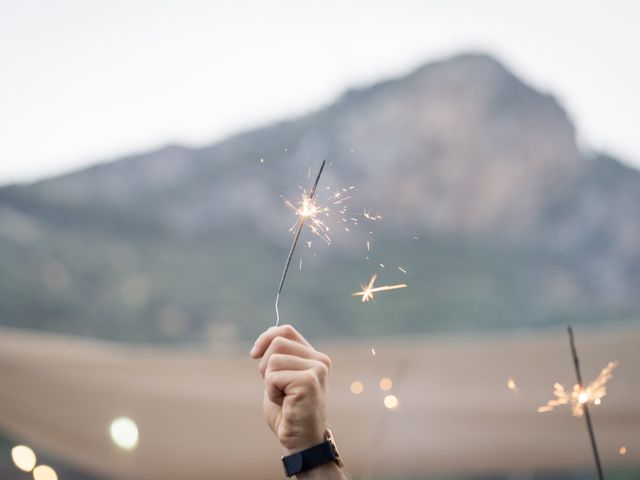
[
  {"x": 23, "y": 457},
  {"x": 373, "y": 351},
  {"x": 308, "y": 208},
  {"x": 356, "y": 387},
  {"x": 124, "y": 433},
  {"x": 367, "y": 291},
  {"x": 385, "y": 384},
  {"x": 391, "y": 402},
  {"x": 623, "y": 450},
  {"x": 512, "y": 384},
  {"x": 309, "y": 213},
  {"x": 578, "y": 397},
  {"x": 44, "y": 472}
]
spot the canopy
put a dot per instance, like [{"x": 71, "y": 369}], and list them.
[{"x": 199, "y": 413}]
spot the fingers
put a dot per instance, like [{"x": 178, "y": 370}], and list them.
[
  {"x": 281, "y": 361},
  {"x": 282, "y": 383},
  {"x": 281, "y": 345},
  {"x": 264, "y": 340}
]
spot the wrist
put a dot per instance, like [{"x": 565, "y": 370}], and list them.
[{"x": 299, "y": 445}]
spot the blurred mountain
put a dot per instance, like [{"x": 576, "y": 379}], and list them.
[{"x": 487, "y": 202}]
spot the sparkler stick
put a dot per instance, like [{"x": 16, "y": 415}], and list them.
[
  {"x": 587, "y": 417},
  {"x": 301, "y": 221}
]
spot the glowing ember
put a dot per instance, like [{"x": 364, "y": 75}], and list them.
[
  {"x": 578, "y": 396},
  {"x": 368, "y": 291}
]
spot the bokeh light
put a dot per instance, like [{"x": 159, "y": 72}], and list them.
[
  {"x": 391, "y": 402},
  {"x": 511, "y": 384},
  {"x": 23, "y": 457},
  {"x": 385, "y": 384},
  {"x": 44, "y": 472},
  {"x": 583, "y": 397},
  {"x": 124, "y": 433},
  {"x": 623, "y": 450},
  {"x": 357, "y": 387}
]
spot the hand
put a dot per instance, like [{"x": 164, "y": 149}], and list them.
[{"x": 295, "y": 395}]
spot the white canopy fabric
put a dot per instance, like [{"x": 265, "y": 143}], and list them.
[{"x": 199, "y": 413}]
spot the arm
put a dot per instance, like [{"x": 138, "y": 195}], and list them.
[{"x": 295, "y": 395}]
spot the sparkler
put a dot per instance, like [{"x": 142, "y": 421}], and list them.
[
  {"x": 307, "y": 210},
  {"x": 580, "y": 397},
  {"x": 368, "y": 291}
]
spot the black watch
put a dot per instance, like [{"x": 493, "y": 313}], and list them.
[{"x": 313, "y": 457}]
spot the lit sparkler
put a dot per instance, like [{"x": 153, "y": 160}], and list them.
[
  {"x": 580, "y": 397},
  {"x": 306, "y": 211},
  {"x": 368, "y": 290},
  {"x": 577, "y": 397}
]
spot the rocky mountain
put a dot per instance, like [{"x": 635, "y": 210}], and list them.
[{"x": 498, "y": 217}]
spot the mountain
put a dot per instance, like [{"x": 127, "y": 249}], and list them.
[{"x": 486, "y": 200}]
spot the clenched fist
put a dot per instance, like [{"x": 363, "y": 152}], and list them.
[{"x": 295, "y": 395}]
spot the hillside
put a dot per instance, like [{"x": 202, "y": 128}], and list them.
[{"x": 514, "y": 224}]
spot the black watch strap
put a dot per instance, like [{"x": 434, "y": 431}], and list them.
[{"x": 310, "y": 458}]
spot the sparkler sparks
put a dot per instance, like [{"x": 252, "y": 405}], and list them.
[
  {"x": 368, "y": 290},
  {"x": 578, "y": 397},
  {"x": 310, "y": 213}
]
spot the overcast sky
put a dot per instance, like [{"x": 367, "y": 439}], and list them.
[{"x": 83, "y": 81}]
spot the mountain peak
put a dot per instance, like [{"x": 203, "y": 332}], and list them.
[{"x": 460, "y": 149}]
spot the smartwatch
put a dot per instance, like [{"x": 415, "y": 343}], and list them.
[{"x": 313, "y": 457}]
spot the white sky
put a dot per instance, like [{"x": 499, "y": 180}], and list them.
[{"x": 86, "y": 80}]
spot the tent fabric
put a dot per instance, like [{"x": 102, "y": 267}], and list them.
[{"x": 199, "y": 412}]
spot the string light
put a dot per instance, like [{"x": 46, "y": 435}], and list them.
[
  {"x": 385, "y": 384},
  {"x": 356, "y": 387},
  {"x": 44, "y": 472},
  {"x": 124, "y": 433},
  {"x": 23, "y": 457},
  {"x": 391, "y": 402}
]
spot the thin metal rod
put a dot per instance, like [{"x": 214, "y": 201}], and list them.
[
  {"x": 295, "y": 242},
  {"x": 585, "y": 407}
]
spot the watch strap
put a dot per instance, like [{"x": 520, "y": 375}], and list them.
[{"x": 310, "y": 458}]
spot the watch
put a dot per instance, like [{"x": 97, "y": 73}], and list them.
[{"x": 313, "y": 457}]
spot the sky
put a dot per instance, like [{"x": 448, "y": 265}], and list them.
[{"x": 84, "y": 81}]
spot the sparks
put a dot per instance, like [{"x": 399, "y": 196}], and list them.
[
  {"x": 368, "y": 291},
  {"x": 310, "y": 213},
  {"x": 578, "y": 397}
]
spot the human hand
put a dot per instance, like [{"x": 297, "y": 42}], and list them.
[{"x": 295, "y": 397}]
